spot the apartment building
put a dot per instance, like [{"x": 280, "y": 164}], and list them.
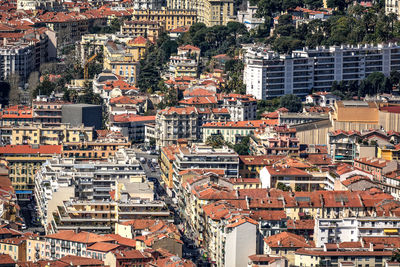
[
  {"x": 16, "y": 115},
  {"x": 59, "y": 179},
  {"x": 47, "y": 112},
  {"x": 347, "y": 145},
  {"x": 211, "y": 13},
  {"x": 105, "y": 146},
  {"x": 175, "y": 123},
  {"x": 131, "y": 125},
  {"x": 268, "y": 74},
  {"x": 68, "y": 27},
  {"x": 232, "y": 131},
  {"x": 240, "y": 107},
  {"x": 101, "y": 216},
  {"x": 23, "y": 161},
  {"x": 378, "y": 168},
  {"x": 353, "y": 229},
  {"x": 146, "y": 28},
  {"x": 39, "y": 134},
  {"x": 172, "y": 18},
  {"x": 203, "y": 157},
  {"x": 339, "y": 256},
  {"x": 17, "y": 58},
  {"x": 69, "y": 242},
  {"x": 119, "y": 60},
  {"x": 275, "y": 140}
]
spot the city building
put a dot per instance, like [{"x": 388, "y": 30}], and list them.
[
  {"x": 353, "y": 229},
  {"x": 23, "y": 161},
  {"x": 16, "y": 115},
  {"x": 268, "y": 74},
  {"x": 172, "y": 18},
  {"x": 274, "y": 140},
  {"x": 149, "y": 29},
  {"x": 210, "y": 13},
  {"x": 16, "y": 58},
  {"x": 240, "y": 107},
  {"x": 232, "y": 131},
  {"x": 119, "y": 59},
  {"x": 131, "y": 125},
  {"x": 175, "y": 123},
  {"x": 40, "y": 134}
]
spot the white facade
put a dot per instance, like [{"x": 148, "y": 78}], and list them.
[
  {"x": 240, "y": 243},
  {"x": 16, "y": 58},
  {"x": 353, "y": 229},
  {"x": 248, "y": 17},
  {"x": 268, "y": 74}
]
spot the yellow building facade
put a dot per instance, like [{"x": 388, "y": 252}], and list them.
[
  {"x": 171, "y": 18},
  {"x": 38, "y": 134},
  {"x": 209, "y": 12},
  {"x": 121, "y": 61}
]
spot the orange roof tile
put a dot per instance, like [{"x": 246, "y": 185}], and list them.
[{"x": 28, "y": 149}]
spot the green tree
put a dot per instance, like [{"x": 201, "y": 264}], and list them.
[
  {"x": 243, "y": 147},
  {"x": 46, "y": 87},
  {"x": 283, "y": 187},
  {"x": 291, "y": 102},
  {"x": 216, "y": 141}
]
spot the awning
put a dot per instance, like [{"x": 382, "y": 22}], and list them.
[
  {"x": 390, "y": 231},
  {"x": 23, "y": 191}
]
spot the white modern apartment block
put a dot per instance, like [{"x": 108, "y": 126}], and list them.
[
  {"x": 268, "y": 74},
  {"x": 59, "y": 179},
  {"x": 353, "y": 229},
  {"x": 16, "y": 58}
]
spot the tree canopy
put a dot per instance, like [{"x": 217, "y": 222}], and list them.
[{"x": 291, "y": 102}]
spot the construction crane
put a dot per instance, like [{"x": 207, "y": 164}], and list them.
[{"x": 86, "y": 67}]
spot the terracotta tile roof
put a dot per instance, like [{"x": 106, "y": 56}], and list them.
[
  {"x": 348, "y": 253},
  {"x": 319, "y": 159},
  {"x": 140, "y": 40},
  {"x": 378, "y": 163},
  {"x": 263, "y": 258},
  {"x": 169, "y": 151},
  {"x": 80, "y": 261},
  {"x": 268, "y": 215},
  {"x": 28, "y": 149},
  {"x": 198, "y": 92},
  {"x": 350, "y": 245},
  {"x": 189, "y": 47},
  {"x": 133, "y": 118},
  {"x": 239, "y": 220},
  {"x": 15, "y": 112},
  {"x": 343, "y": 168},
  {"x": 6, "y": 259},
  {"x": 181, "y": 29},
  {"x": 173, "y": 261},
  {"x": 124, "y": 100},
  {"x": 300, "y": 224},
  {"x": 178, "y": 110},
  {"x": 122, "y": 241},
  {"x": 287, "y": 171},
  {"x": 12, "y": 232},
  {"x": 103, "y": 246},
  {"x": 286, "y": 240},
  {"x": 213, "y": 192},
  {"x": 221, "y": 210},
  {"x": 199, "y": 100},
  {"x": 355, "y": 179},
  {"x": 82, "y": 237},
  {"x": 140, "y": 224},
  {"x": 220, "y": 111}
]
